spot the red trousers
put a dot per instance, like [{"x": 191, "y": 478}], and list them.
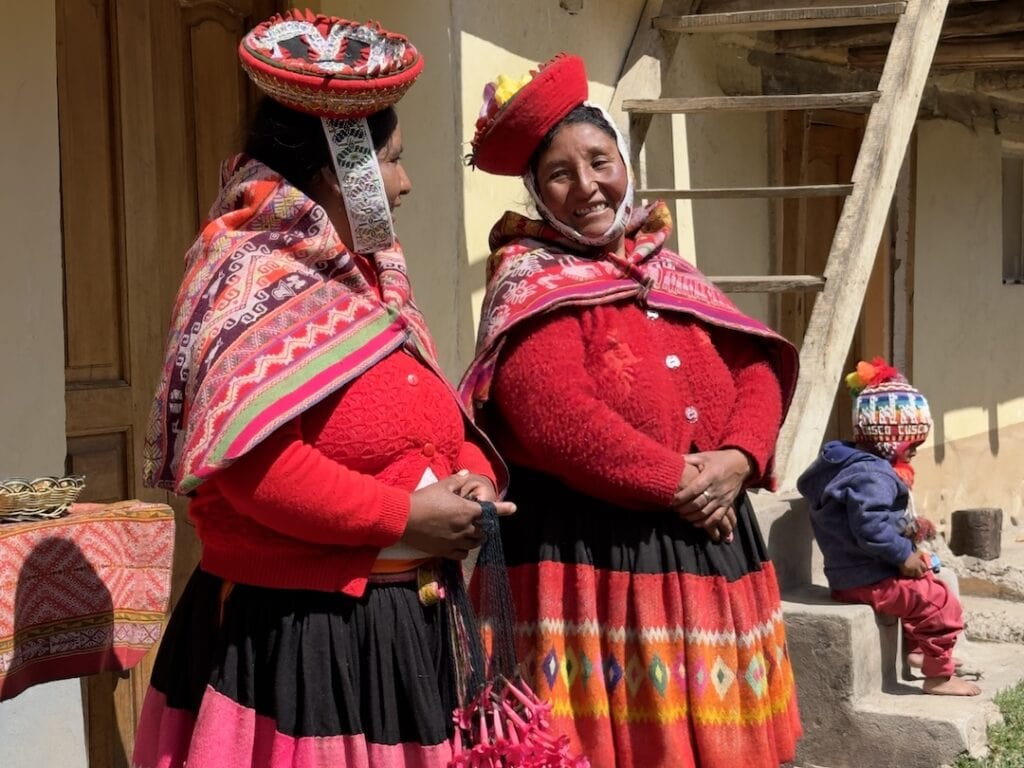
[{"x": 931, "y": 615}]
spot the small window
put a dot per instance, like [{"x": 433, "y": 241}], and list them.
[{"x": 1013, "y": 217}]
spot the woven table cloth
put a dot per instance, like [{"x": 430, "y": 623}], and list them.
[{"x": 84, "y": 593}]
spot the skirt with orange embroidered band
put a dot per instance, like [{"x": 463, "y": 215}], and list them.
[
  {"x": 248, "y": 676},
  {"x": 654, "y": 646}
]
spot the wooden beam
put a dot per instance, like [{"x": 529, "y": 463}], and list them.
[
  {"x": 966, "y": 54},
  {"x": 970, "y": 108},
  {"x": 996, "y": 18},
  {"x": 729, "y": 6},
  {"x": 752, "y": 103},
  {"x": 861, "y": 224},
  {"x": 980, "y": 111},
  {"x": 767, "y": 283},
  {"x": 726, "y": 193},
  {"x": 783, "y": 18},
  {"x": 997, "y": 98}
]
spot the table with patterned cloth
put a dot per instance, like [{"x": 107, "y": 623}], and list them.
[{"x": 84, "y": 593}]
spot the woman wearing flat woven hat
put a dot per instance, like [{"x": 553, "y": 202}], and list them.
[
  {"x": 330, "y": 466},
  {"x": 635, "y": 404}
]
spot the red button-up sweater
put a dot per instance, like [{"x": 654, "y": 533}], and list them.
[
  {"x": 312, "y": 505},
  {"x": 609, "y": 398}
]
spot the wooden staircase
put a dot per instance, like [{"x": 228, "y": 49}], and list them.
[{"x": 892, "y": 112}]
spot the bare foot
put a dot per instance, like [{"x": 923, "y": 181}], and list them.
[
  {"x": 950, "y": 686},
  {"x": 916, "y": 660}
]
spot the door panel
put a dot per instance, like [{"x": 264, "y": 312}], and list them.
[
  {"x": 213, "y": 43},
  {"x": 104, "y": 459},
  {"x": 151, "y": 99},
  {"x": 93, "y": 248}
]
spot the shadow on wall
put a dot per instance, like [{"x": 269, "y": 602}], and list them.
[
  {"x": 939, "y": 432},
  {"x": 790, "y": 541},
  {"x": 63, "y": 628},
  {"x": 968, "y": 351}
]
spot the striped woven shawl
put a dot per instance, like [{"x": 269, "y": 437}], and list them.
[
  {"x": 272, "y": 316},
  {"x": 534, "y": 270}
]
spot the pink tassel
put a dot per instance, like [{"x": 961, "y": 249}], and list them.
[{"x": 519, "y": 734}]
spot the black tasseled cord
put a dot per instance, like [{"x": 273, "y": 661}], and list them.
[{"x": 472, "y": 670}]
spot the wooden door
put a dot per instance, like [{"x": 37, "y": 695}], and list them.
[
  {"x": 821, "y": 148},
  {"x": 151, "y": 99}
]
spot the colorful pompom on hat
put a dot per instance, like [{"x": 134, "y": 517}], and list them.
[
  {"x": 329, "y": 66},
  {"x": 889, "y": 415},
  {"x": 517, "y": 114}
]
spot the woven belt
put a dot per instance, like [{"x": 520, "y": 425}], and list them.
[
  {"x": 402, "y": 577},
  {"x": 426, "y": 577}
]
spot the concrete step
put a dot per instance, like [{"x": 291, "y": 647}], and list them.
[
  {"x": 857, "y": 711},
  {"x": 914, "y": 730},
  {"x": 786, "y": 528},
  {"x": 843, "y": 649},
  {"x": 990, "y": 619}
]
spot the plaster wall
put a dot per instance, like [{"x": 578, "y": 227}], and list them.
[
  {"x": 429, "y": 222},
  {"x": 444, "y": 223},
  {"x": 42, "y": 727},
  {"x": 968, "y": 351}
]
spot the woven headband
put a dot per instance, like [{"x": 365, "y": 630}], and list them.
[{"x": 362, "y": 187}]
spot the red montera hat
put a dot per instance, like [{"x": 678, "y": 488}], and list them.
[
  {"x": 507, "y": 132},
  {"x": 328, "y": 66}
]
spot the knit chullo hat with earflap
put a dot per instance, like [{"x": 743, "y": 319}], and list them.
[{"x": 889, "y": 415}]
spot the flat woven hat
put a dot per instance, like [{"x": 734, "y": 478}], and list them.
[
  {"x": 517, "y": 115},
  {"x": 329, "y": 66}
]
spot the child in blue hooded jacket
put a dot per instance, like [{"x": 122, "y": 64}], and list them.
[{"x": 863, "y": 519}]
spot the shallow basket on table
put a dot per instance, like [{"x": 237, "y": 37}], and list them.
[{"x": 44, "y": 498}]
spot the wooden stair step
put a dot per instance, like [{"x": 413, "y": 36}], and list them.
[
  {"x": 774, "y": 103},
  {"x": 726, "y": 193},
  {"x": 784, "y": 18},
  {"x": 767, "y": 283}
]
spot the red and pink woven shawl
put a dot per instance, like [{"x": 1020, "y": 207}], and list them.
[
  {"x": 273, "y": 315},
  {"x": 533, "y": 269}
]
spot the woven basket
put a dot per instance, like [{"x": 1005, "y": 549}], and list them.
[{"x": 40, "y": 499}]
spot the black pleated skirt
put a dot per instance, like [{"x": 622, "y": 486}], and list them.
[{"x": 249, "y": 676}]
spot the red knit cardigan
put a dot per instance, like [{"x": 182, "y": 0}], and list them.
[
  {"x": 609, "y": 398},
  {"x": 312, "y": 505}
]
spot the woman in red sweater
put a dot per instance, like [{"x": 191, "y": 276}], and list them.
[
  {"x": 635, "y": 405},
  {"x": 330, "y": 465}
]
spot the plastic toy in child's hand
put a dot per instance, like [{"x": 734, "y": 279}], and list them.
[{"x": 931, "y": 560}]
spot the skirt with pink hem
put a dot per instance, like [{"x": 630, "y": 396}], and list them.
[{"x": 271, "y": 678}]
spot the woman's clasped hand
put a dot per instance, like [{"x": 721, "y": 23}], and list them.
[
  {"x": 708, "y": 489},
  {"x": 444, "y": 517}
]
